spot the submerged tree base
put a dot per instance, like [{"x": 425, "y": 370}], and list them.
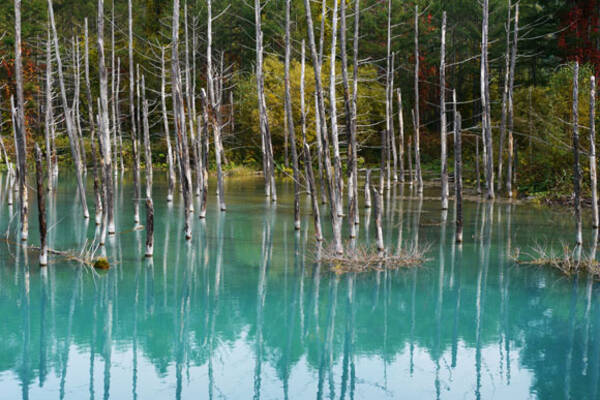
[
  {"x": 570, "y": 261},
  {"x": 362, "y": 258}
]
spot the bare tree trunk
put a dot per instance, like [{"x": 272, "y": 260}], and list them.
[
  {"x": 68, "y": 114},
  {"x": 368, "y": 189},
  {"x": 416, "y": 113},
  {"x": 290, "y": 116},
  {"x": 20, "y": 129},
  {"x": 75, "y": 107},
  {"x": 268, "y": 161},
  {"x": 97, "y": 192},
  {"x": 511, "y": 84},
  {"x": 119, "y": 139},
  {"x": 401, "y": 134},
  {"x": 148, "y": 160},
  {"x": 411, "y": 175},
  {"x": 49, "y": 112},
  {"x": 39, "y": 173},
  {"x": 331, "y": 185},
  {"x": 388, "y": 86},
  {"x": 319, "y": 151},
  {"x": 458, "y": 170},
  {"x": 378, "y": 229},
  {"x": 179, "y": 120},
  {"x": 594, "y": 180},
  {"x": 350, "y": 127},
  {"x": 104, "y": 135},
  {"x": 443, "y": 135},
  {"x": 576, "y": 167},
  {"x": 354, "y": 107},
  {"x": 504, "y": 97},
  {"x": 485, "y": 105},
  {"x": 310, "y": 176},
  {"x": 165, "y": 118},
  {"x": 134, "y": 125},
  {"x": 203, "y": 143},
  {"x": 392, "y": 134},
  {"x": 477, "y": 171}
]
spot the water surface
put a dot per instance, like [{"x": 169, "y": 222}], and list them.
[{"x": 244, "y": 311}]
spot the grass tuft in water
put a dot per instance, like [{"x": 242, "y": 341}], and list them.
[{"x": 568, "y": 260}]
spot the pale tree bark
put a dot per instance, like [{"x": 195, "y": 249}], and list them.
[
  {"x": 576, "y": 167},
  {"x": 97, "y": 190},
  {"x": 20, "y": 129},
  {"x": 477, "y": 171},
  {"x": 179, "y": 122},
  {"x": 215, "y": 111},
  {"x": 148, "y": 161},
  {"x": 485, "y": 105},
  {"x": 203, "y": 144},
  {"x": 68, "y": 115},
  {"x": 132, "y": 112},
  {"x": 378, "y": 228},
  {"x": 267, "y": 148},
  {"x": 350, "y": 127},
  {"x": 504, "y": 98},
  {"x": 191, "y": 114},
  {"x": 388, "y": 90},
  {"x": 165, "y": 118},
  {"x": 443, "y": 135},
  {"x": 310, "y": 176},
  {"x": 319, "y": 142},
  {"x": 49, "y": 111},
  {"x": 354, "y": 107},
  {"x": 331, "y": 186},
  {"x": 368, "y": 189},
  {"x": 290, "y": 117},
  {"x": 104, "y": 134},
  {"x": 416, "y": 112},
  {"x": 458, "y": 170},
  {"x": 75, "y": 106},
  {"x": 593, "y": 178},
  {"x": 400, "y": 134},
  {"x": 392, "y": 134},
  {"x": 511, "y": 85}
]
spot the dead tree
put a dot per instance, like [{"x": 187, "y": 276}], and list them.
[
  {"x": 458, "y": 170},
  {"x": 368, "y": 189},
  {"x": 349, "y": 109},
  {"x": 39, "y": 173},
  {"x": 290, "y": 117},
  {"x": 443, "y": 135},
  {"x": 331, "y": 186},
  {"x": 68, "y": 116},
  {"x": 504, "y": 97},
  {"x": 594, "y": 181},
  {"x": 179, "y": 122},
  {"x": 203, "y": 143},
  {"x": 49, "y": 111},
  {"x": 576, "y": 167},
  {"x": 477, "y": 171},
  {"x": 511, "y": 85},
  {"x": 20, "y": 129},
  {"x": 132, "y": 112},
  {"x": 267, "y": 148},
  {"x": 354, "y": 106},
  {"x": 400, "y": 135},
  {"x": 485, "y": 105},
  {"x": 416, "y": 113},
  {"x": 378, "y": 228},
  {"x": 97, "y": 188},
  {"x": 165, "y": 119},
  {"x": 104, "y": 134},
  {"x": 389, "y": 91},
  {"x": 148, "y": 160}
]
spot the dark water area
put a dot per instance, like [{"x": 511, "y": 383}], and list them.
[{"x": 244, "y": 311}]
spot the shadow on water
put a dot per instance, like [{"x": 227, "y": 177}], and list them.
[{"x": 243, "y": 310}]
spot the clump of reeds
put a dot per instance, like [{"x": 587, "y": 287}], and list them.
[
  {"x": 362, "y": 258},
  {"x": 568, "y": 260}
]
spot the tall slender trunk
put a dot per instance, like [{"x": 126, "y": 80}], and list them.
[
  {"x": 576, "y": 167},
  {"x": 203, "y": 144},
  {"x": 290, "y": 116},
  {"x": 49, "y": 112},
  {"x": 388, "y": 85},
  {"x": 104, "y": 135},
  {"x": 165, "y": 118},
  {"x": 477, "y": 171},
  {"x": 337, "y": 164},
  {"x": 485, "y": 105},
  {"x": 354, "y": 107},
  {"x": 504, "y": 98},
  {"x": 400, "y": 134},
  {"x": 511, "y": 85},
  {"x": 132, "y": 112},
  {"x": 594, "y": 180},
  {"x": 20, "y": 129},
  {"x": 148, "y": 160},
  {"x": 68, "y": 116},
  {"x": 39, "y": 173},
  {"x": 350, "y": 127},
  {"x": 268, "y": 160},
  {"x": 443, "y": 135},
  {"x": 416, "y": 112},
  {"x": 90, "y": 103},
  {"x": 458, "y": 170},
  {"x": 179, "y": 121},
  {"x": 331, "y": 187}
]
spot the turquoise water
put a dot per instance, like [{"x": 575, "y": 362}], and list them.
[{"x": 243, "y": 311}]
